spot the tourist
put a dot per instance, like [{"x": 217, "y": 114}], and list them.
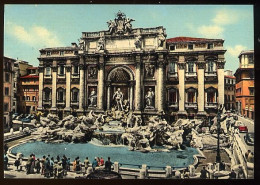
[
  {"x": 59, "y": 170},
  {"x": 29, "y": 164},
  {"x": 64, "y": 164},
  {"x": 74, "y": 164},
  {"x": 58, "y": 158},
  {"x": 68, "y": 164},
  {"x": 37, "y": 165},
  {"x": 86, "y": 163},
  {"x": 17, "y": 163},
  {"x": 203, "y": 173},
  {"x": 32, "y": 166},
  {"x": 55, "y": 169},
  {"x": 47, "y": 167},
  {"x": 247, "y": 153},
  {"x": 51, "y": 166},
  {"x": 108, "y": 164},
  {"x": 94, "y": 164},
  {"x": 222, "y": 166},
  {"x": 232, "y": 174},
  {"x": 5, "y": 162},
  {"x": 240, "y": 172},
  {"x": 43, "y": 164},
  {"x": 102, "y": 162},
  {"x": 77, "y": 165},
  {"x": 98, "y": 161},
  {"x": 5, "y": 148},
  {"x": 250, "y": 157}
]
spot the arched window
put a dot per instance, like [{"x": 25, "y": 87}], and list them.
[
  {"x": 211, "y": 65},
  {"x": 75, "y": 95},
  {"x": 211, "y": 95},
  {"x": 172, "y": 67},
  {"x": 48, "y": 71},
  {"x": 191, "y": 95}
]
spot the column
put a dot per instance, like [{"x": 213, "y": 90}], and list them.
[
  {"x": 138, "y": 84},
  {"x": 131, "y": 96},
  {"x": 160, "y": 86},
  {"x": 81, "y": 85},
  {"x": 108, "y": 97},
  {"x": 201, "y": 92},
  {"x": 181, "y": 73},
  {"x": 40, "y": 88},
  {"x": 220, "y": 71},
  {"x": 54, "y": 86},
  {"x": 68, "y": 80},
  {"x": 100, "y": 98}
]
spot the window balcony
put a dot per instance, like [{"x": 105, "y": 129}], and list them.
[
  {"x": 46, "y": 102},
  {"x": 173, "y": 104},
  {"x": 74, "y": 102},
  {"x": 211, "y": 105},
  {"x": 60, "y": 102},
  {"x": 191, "y": 74},
  {"x": 191, "y": 105},
  {"x": 210, "y": 73},
  {"x": 75, "y": 75}
]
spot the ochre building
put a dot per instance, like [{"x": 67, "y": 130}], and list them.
[
  {"x": 137, "y": 69},
  {"x": 245, "y": 91}
]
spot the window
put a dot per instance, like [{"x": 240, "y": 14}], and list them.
[
  {"x": 250, "y": 59},
  {"x": 190, "y": 46},
  {"x": 46, "y": 94},
  {"x": 210, "y": 46},
  {"x": 75, "y": 93},
  {"x": 23, "y": 97},
  {"x": 76, "y": 70},
  {"x": 190, "y": 67},
  {"x": 33, "y": 108},
  {"x": 211, "y": 95},
  {"x": 191, "y": 97},
  {"x": 172, "y": 67},
  {"x": 6, "y": 107},
  {"x": 34, "y": 98},
  {"x": 48, "y": 71},
  {"x": 48, "y": 53},
  {"x": 75, "y": 52},
  {"x": 7, "y": 91},
  {"x": 7, "y": 77},
  {"x": 172, "y": 47},
  {"x": 14, "y": 103},
  {"x": 28, "y": 98},
  {"x": 62, "y": 70},
  {"x": 61, "y": 53},
  {"x": 172, "y": 96},
  {"x": 251, "y": 91},
  {"x": 210, "y": 66},
  {"x": 61, "y": 95}
]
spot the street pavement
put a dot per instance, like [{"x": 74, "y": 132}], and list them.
[{"x": 250, "y": 125}]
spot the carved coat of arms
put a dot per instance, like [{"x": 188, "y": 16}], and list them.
[{"x": 120, "y": 25}]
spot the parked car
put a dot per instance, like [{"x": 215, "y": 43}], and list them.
[
  {"x": 241, "y": 126},
  {"x": 26, "y": 120},
  {"x": 249, "y": 138}
]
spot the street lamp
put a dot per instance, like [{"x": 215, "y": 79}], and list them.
[{"x": 219, "y": 119}]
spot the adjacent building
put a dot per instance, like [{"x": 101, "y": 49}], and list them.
[
  {"x": 134, "y": 69},
  {"x": 245, "y": 84},
  {"x": 8, "y": 89},
  {"x": 230, "y": 91},
  {"x": 29, "y": 91}
]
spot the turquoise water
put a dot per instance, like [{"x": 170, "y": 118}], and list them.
[{"x": 120, "y": 154}]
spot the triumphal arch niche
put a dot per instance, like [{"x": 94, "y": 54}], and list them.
[{"x": 130, "y": 66}]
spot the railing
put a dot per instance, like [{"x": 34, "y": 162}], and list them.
[
  {"x": 191, "y": 74},
  {"x": 173, "y": 104},
  {"x": 47, "y": 102},
  {"x": 172, "y": 74},
  {"x": 211, "y": 105},
  {"x": 210, "y": 73},
  {"x": 191, "y": 105}
]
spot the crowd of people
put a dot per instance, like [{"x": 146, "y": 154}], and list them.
[{"x": 58, "y": 167}]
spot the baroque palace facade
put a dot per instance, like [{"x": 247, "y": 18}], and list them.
[{"x": 135, "y": 69}]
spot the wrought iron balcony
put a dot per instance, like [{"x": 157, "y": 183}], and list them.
[
  {"x": 211, "y": 105},
  {"x": 191, "y": 105},
  {"x": 191, "y": 74},
  {"x": 74, "y": 102},
  {"x": 60, "y": 102}
]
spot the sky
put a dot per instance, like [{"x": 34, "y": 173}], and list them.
[{"x": 28, "y": 28}]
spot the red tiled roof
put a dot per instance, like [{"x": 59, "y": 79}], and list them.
[
  {"x": 32, "y": 68},
  {"x": 227, "y": 76},
  {"x": 30, "y": 76}
]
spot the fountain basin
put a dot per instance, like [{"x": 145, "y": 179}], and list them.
[{"x": 120, "y": 154}]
